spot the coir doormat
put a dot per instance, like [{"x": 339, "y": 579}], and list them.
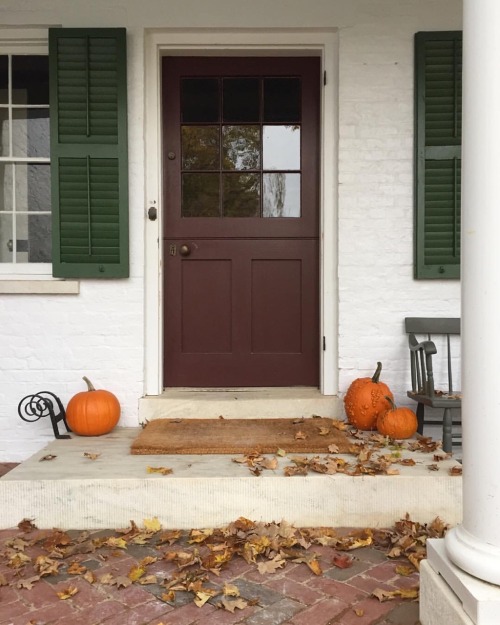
[{"x": 240, "y": 436}]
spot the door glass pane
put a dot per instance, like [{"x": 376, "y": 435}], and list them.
[
  {"x": 282, "y": 100},
  {"x": 30, "y": 79},
  {"x": 241, "y": 147},
  {"x": 34, "y": 238},
  {"x": 200, "y": 147},
  {"x": 30, "y": 132},
  {"x": 281, "y": 195},
  {"x": 200, "y": 100},
  {"x": 6, "y": 235},
  {"x": 200, "y": 195},
  {"x": 241, "y": 195},
  {"x": 4, "y": 79},
  {"x": 241, "y": 100},
  {"x": 6, "y": 186},
  {"x": 281, "y": 147}
]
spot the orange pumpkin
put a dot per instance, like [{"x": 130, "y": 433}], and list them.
[
  {"x": 366, "y": 399},
  {"x": 91, "y": 412},
  {"x": 397, "y": 422}
]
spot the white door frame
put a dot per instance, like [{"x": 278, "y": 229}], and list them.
[{"x": 241, "y": 42}]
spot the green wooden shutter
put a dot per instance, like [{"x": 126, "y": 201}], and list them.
[
  {"x": 88, "y": 118},
  {"x": 438, "y": 132}
]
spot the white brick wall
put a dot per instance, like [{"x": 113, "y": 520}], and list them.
[{"x": 49, "y": 342}]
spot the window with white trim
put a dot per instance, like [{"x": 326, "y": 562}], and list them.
[{"x": 25, "y": 203}]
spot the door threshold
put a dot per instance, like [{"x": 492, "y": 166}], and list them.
[{"x": 239, "y": 403}]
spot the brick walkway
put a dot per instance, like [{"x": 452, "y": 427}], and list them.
[{"x": 293, "y": 595}]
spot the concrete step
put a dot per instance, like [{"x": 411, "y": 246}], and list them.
[
  {"x": 73, "y": 491},
  {"x": 241, "y": 403}
]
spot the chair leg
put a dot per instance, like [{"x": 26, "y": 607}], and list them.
[
  {"x": 447, "y": 424},
  {"x": 420, "y": 418}
]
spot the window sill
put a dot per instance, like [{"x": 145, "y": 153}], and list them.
[{"x": 39, "y": 287}]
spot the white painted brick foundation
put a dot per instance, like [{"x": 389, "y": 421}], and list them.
[{"x": 49, "y": 341}]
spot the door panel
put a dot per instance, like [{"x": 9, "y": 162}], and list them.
[
  {"x": 240, "y": 234},
  {"x": 248, "y": 313}
]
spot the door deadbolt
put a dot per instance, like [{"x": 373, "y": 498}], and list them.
[{"x": 152, "y": 213}]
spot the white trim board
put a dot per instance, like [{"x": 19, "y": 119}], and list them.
[{"x": 279, "y": 42}]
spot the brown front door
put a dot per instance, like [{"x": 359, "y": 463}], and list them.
[{"x": 240, "y": 236}]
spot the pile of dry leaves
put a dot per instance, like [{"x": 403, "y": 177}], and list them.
[{"x": 197, "y": 553}]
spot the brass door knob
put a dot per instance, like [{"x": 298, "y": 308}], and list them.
[{"x": 184, "y": 250}]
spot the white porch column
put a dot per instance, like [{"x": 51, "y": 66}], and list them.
[{"x": 474, "y": 546}]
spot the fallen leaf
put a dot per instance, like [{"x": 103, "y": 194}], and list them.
[
  {"x": 300, "y": 435},
  {"x": 46, "y": 566},
  {"x": 27, "y": 525},
  {"x": 3, "y": 580},
  {"x": 199, "y": 536},
  {"x": 168, "y": 597},
  {"x": 148, "y": 579},
  {"x": 90, "y": 456},
  {"x": 280, "y": 452},
  {"x": 359, "y": 612},
  {"x": 162, "y": 470},
  {"x": 107, "y": 578},
  {"x": 289, "y": 471},
  {"x": 271, "y": 566},
  {"x": 455, "y": 471},
  {"x": 433, "y": 467},
  {"x": 116, "y": 543},
  {"x": 152, "y": 525},
  {"x": 47, "y": 457},
  {"x": 405, "y": 571},
  {"x": 75, "y": 568},
  {"x": 234, "y": 604},
  {"x": 28, "y": 582},
  {"x": 122, "y": 581},
  {"x": 342, "y": 560},
  {"x": 333, "y": 449},
  {"x": 135, "y": 573},
  {"x": 67, "y": 593},
  {"x": 204, "y": 595},
  {"x": 270, "y": 463},
  {"x": 169, "y": 537},
  {"x": 389, "y": 595},
  {"x": 323, "y": 431},
  {"x": 89, "y": 577},
  {"x": 230, "y": 590}
]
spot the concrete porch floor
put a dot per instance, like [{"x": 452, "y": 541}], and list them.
[{"x": 72, "y": 491}]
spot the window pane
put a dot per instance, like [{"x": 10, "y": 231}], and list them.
[
  {"x": 6, "y": 186},
  {"x": 282, "y": 99},
  {"x": 6, "y": 235},
  {"x": 281, "y": 147},
  {"x": 30, "y": 132},
  {"x": 200, "y": 195},
  {"x": 4, "y": 129},
  {"x": 241, "y": 195},
  {"x": 281, "y": 195},
  {"x": 4, "y": 79},
  {"x": 200, "y": 100},
  {"x": 33, "y": 187},
  {"x": 241, "y": 147},
  {"x": 34, "y": 238},
  {"x": 241, "y": 100},
  {"x": 30, "y": 79},
  {"x": 200, "y": 147}
]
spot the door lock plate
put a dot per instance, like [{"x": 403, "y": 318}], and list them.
[{"x": 172, "y": 249}]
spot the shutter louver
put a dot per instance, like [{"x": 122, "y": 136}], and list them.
[
  {"x": 89, "y": 152},
  {"x": 438, "y": 73}
]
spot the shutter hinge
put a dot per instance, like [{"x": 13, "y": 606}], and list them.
[
  {"x": 324, "y": 77},
  {"x": 324, "y": 344}
]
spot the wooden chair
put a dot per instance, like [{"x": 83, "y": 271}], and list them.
[{"x": 423, "y": 355}]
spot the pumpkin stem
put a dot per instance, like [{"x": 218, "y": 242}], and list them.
[
  {"x": 376, "y": 375},
  {"x": 89, "y": 384},
  {"x": 391, "y": 401}
]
